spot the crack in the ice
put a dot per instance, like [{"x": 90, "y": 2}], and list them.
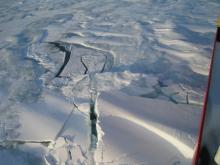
[
  {"x": 188, "y": 92},
  {"x": 83, "y": 152},
  {"x": 67, "y": 56},
  {"x": 11, "y": 143},
  {"x": 103, "y": 68},
  {"x": 159, "y": 92},
  {"x": 65, "y": 122},
  {"x": 69, "y": 151},
  {"x": 94, "y": 137},
  {"x": 86, "y": 68},
  {"x": 93, "y": 119}
]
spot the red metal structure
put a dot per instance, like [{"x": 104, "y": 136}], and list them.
[{"x": 206, "y": 152}]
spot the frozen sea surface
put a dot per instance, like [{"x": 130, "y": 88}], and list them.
[{"x": 58, "y": 57}]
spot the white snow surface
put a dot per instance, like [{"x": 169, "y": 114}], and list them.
[
  {"x": 135, "y": 129},
  {"x": 143, "y": 63}
]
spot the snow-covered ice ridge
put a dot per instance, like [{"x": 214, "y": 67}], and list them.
[{"x": 67, "y": 66}]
